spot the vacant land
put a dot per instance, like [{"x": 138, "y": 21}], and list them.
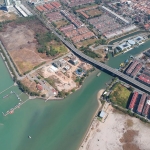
[
  {"x": 4, "y": 16},
  {"x": 61, "y": 23},
  {"x": 85, "y": 43},
  {"x": 118, "y": 132},
  {"x": 120, "y": 95},
  {"x": 26, "y": 40},
  {"x": 102, "y": 54},
  {"x": 93, "y": 12}
]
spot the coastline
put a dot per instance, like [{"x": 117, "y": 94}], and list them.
[{"x": 88, "y": 132}]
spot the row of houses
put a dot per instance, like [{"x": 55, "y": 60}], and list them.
[
  {"x": 48, "y": 6},
  {"x": 72, "y": 18},
  {"x": 143, "y": 106}
]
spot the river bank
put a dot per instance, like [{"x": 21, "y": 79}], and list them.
[
  {"x": 89, "y": 133},
  {"x": 48, "y": 123},
  {"x": 119, "y": 131}
]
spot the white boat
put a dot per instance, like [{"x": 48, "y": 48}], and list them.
[{"x": 29, "y": 137}]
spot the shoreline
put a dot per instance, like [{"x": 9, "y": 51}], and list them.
[{"x": 87, "y": 134}]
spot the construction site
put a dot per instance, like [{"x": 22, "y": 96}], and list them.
[{"x": 65, "y": 74}]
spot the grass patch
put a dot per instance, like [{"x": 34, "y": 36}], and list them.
[
  {"x": 120, "y": 95},
  {"x": 94, "y": 12},
  {"x": 61, "y": 23},
  {"x": 86, "y": 43}
]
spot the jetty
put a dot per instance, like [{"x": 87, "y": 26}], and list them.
[{"x": 11, "y": 111}]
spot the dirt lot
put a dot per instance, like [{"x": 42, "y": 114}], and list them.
[
  {"x": 30, "y": 84},
  {"x": 63, "y": 81},
  {"x": 19, "y": 40},
  {"x": 118, "y": 132},
  {"x": 93, "y": 12},
  {"x": 7, "y": 16}
]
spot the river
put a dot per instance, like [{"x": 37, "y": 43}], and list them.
[{"x": 54, "y": 125}]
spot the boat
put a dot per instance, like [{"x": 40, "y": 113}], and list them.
[
  {"x": 29, "y": 137},
  {"x": 98, "y": 74}
]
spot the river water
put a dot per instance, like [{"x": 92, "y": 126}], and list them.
[{"x": 54, "y": 125}]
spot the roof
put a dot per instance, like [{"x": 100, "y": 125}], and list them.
[
  {"x": 39, "y": 87},
  {"x": 131, "y": 42},
  {"x": 102, "y": 114},
  {"x": 124, "y": 45}
]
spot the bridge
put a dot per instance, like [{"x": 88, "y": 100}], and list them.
[
  {"x": 91, "y": 60},
  {"x": 103, "y": 66}
]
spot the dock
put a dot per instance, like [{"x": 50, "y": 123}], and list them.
[{"x": 13, "y": 109}]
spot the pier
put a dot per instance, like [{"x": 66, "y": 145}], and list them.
[
  {"x": 6, "y": 89},
  {"x": 13, "y": 109}
]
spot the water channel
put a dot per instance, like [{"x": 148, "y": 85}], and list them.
[{"x": 54, "y": 125}]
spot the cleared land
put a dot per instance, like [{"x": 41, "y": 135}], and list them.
[
  {"x": 94, "y": 12},
  {"x": 102, "y": 54},
  {"x": 120, "y": 95},
  {"x": 21, "y": 39},
  {"x": 118, "y": 132},
  {"x": 4, "y": 16}
]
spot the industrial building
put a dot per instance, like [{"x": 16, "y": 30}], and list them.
[
  {"x": 146, "y": 108},
  {"x": 144, "y": 78},
  {"x": 136, "y": 70},
  {"x": 132, "y": 67},
  {"x": 11, "y": 4},
  {"x": 141, "y": 104},
  {"x": 133, "y": 100}
]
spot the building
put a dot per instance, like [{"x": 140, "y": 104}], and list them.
[
  {"x": 132, "y": 67},
  {"x": 141, "y": 104},
  {"x": 139, "y": 39},
  {"x": 57, "y": 64},
  {"x": 136, "y": 70},
  {"x": 39, "y": 87},
  {"x": 123, "y": 46},
  {"x": 102, "y": 114},
  {"x": 133, "y": 100},
  {"x": 74, "y": 61},
  {"x": 131, "y": 42},
  {"x": 146, "y": 108}
]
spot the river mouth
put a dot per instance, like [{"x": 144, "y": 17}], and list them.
[{"x": 64, "y": 122}]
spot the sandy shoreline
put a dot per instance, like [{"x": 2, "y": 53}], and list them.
[{"x": 88, "y": 132}]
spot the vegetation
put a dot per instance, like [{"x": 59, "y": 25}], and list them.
[
  {"x": 25, "y": 89},
  {"x": 62, "y": 94},
  {"x": 100, "y": 42},
  {"x": 54, "y": 49},
  {"x": 80, "y": 80},
  {"x": 89, "y": 53},
  {"x": 119, "y": 95}
]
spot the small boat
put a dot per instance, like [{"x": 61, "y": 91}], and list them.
[
  {"x": 29, "y": 137},
  {"x": 98, "y": 74}
]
